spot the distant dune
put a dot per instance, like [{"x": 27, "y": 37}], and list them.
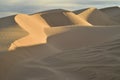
[
  {"x": 76, "y": 19},
  {"x": 56, "y": 18},
  {"x": 61, "y": 45},
  {"x": 96, "y": 17},
  {"x": 113, "y": 12}
]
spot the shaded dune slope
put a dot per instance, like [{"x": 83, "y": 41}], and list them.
[
  {"x": 99, "y": 62},
  {"x": 35, "y": 29},
  {"x": 39, "y": 19},
  {"x": 96, "y": 17},
  {"x": 35, "y": 25},
  {"x": 46, "y": 20},
  {"x": 9, "y": 32},
  {"x": 76, "y": 19},
  {"x": 79, "y": 11},
  {"x": 102, "y": 59},
  {"x": 63, "y": 18},
  {"x": 52, "y": 10},
  {"x": 76, "y": 37},
  {"x": 56, "y": 19},
  {"x": 65, "y": 38},
  {"x": 61, "y": 45},
  {"x": 113, "y": 12}
]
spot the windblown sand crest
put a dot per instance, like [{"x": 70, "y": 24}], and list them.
[{"x": 61, "y": 45}]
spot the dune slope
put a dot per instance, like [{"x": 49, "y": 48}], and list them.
[
  {"x": 9, "y": 32},
  {"x": 113, "y": 12},
  {"x": 61, "y": 45},
  {"x": 45, "y": 60},
  {"x": 63, "y": 18},
  {"x": 96, "y": 17},
  {"x": 77, "y": 37},
  {"x": 33, "y": 27}
]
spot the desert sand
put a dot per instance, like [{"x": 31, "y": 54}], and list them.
[
  {"x": 61, "y": 45},
  {"x": 115, "y": 14}
]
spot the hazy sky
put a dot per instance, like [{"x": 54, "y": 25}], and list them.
[{"x": 9, "y": 7}]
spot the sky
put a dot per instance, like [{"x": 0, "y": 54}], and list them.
[{"x": 11, "y": 7}]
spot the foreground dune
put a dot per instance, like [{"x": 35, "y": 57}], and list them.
[
  {"x": 61, "y": 45},
  {"x": 44, "y": 61}
]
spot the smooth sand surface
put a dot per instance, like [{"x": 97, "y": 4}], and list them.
[
  {"x": 9, "y": 32},
  {"x": 113, "y": 12},
  {"x": 63, "y": 18},
  {"x": 33, "y": 27},
  {"x": 96, "y": 17},
  {"x": 76, "y": 19},
  {"x": 61, "y": 45}
]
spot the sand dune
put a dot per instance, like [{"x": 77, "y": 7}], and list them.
[
  {"x": 96, "y": 17},
  {"x": 9, "y": 32},
  {"x": 56, "y": 18},
  {"x": 76, "y": 19},
  {"x": 33, "y": 27},
  {"x": 76, "y": 63},
  {"x": 38, "y": 18},
  {"x": 51, "y": 11},
  {"x": 63, "y": 18},
  {"x": 61, "y": 45},
  {"x": 113, "y": 12},
  {"x": 79, "y": 11},
  {"x": 86, "y": 37}
]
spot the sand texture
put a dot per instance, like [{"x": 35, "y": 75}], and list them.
[{"x": 61, "y": 45}]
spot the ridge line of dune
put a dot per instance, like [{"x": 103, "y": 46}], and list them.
[
  {"x": 35, "y": 30},
  {"x": 96, "y": 17}
]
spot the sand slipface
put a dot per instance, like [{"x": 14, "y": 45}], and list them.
[
  {"x": 113, "y": 12},
  {"x": 76, "y": 19},
  {"x": 61, "y": 45},
  {"x": 9, "y": 32},
  {"x": 63, "y": 18},
  {"x": 96, "y": 17},
  {"x": 33, "y": 27}
]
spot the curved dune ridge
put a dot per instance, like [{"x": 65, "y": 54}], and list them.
[
  {"x": 61, "y": 45},
  {"x": 96, "y": 17},
  {"x": 9, "y": 32},
  {"x": 113, "y": 12},
  {"x": 62, "y": 18},
  {"x": 33, "y": 27}
]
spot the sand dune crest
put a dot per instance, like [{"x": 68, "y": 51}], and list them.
[
  {"x": 113, "y": 12},
  {"x": 33, "y": 27},
  {"x": 96, "y": 17},
  {"x": 61, "y": 45},
  {"x": 63, "y": 18},
  {"x": 76, "y": 19},
  {"x": 9, "y": 32}
]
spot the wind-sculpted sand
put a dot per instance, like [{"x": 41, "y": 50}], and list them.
[
  {"x": 96, "y": 17},
  {"x": 9, "y": 32},
  {"x": 61, "y": 45}
]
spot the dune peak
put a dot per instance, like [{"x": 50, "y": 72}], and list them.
[
  {"x": 61, "y": 45},
  {"x": 96, "y": 17}
]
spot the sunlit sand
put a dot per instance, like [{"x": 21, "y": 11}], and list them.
[{"x": 61, "y": 45}]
